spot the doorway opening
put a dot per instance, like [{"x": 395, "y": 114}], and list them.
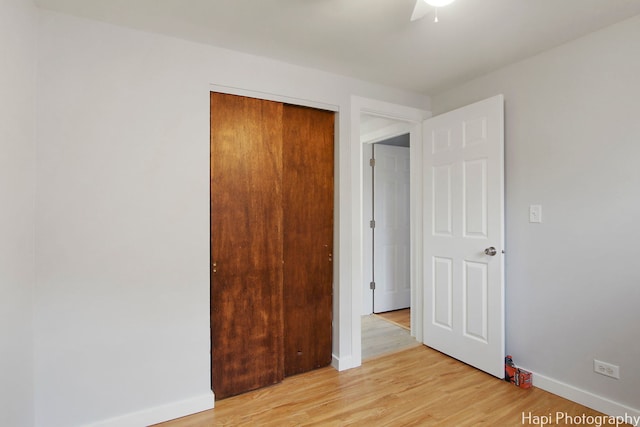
[{"x": 386, "y": 233}]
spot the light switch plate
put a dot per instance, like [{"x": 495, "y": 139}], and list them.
[{"x": 535, "y": 213}]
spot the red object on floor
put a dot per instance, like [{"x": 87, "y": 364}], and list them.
[{"x": 518, "y": 377}]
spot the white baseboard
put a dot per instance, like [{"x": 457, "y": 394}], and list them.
[
  {"x": 335, "y": 361},
  {"x": 342, "y": 364},
  {"x": 162, "y": 413},
  {"x": 583, "y": 397}
]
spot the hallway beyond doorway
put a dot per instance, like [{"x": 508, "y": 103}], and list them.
[
  {"x": 381, "y": 337},
  {"x": 400, "y": 317}
]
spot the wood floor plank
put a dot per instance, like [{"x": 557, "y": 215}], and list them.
[{"x": 414, "y": 387}]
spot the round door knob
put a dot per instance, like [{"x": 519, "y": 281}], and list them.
[{"x": 491, "y": 251}]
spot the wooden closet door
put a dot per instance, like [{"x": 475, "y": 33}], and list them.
[
  {"x": 308, "y": 237},
  {"x": 246, "y": 244}
]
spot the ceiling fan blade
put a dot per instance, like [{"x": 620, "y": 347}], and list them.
[{"x": 420, "y": 10}]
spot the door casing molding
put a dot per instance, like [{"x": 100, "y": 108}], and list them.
[{"x": 414, "y": 117}]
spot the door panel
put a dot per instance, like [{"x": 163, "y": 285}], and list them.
[
  {"x": 391, "y": 233},
  {"x": 246, "y": 244},
  {"x": 475, "y": 198},
  {"x": 464, "y": 206},
  {"x": 475, "y": 282},
  {"x": 442, "y": 200},
  {"x": 442, "y": 292},
  {"x": 308, "y": 237}
]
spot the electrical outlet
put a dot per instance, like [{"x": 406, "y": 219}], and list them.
[{"x": 606, "y": 369}]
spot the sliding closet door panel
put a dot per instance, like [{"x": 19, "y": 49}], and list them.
[
  {"x": 246, "y": 244},
  {"x": 308, "y": 237}
]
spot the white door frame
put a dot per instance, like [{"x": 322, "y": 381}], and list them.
[{"x": 414, "y": 117}]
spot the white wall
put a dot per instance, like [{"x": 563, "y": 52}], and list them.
[
  {"x": 18, "y": 35},
  {"x": 122, "y": 314},
  {"x": 573, "y": 146}
]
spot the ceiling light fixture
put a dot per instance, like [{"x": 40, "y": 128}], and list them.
[
  {"x": 436, "y": 4},
  {"x": 425, "y": 7}
]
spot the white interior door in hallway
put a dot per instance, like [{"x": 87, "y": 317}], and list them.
[
  {"x": 464, "y": 234},
  {"x": 390, "y": 232}
]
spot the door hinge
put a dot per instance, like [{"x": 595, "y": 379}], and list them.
[
  {"x": 372, "y": 223},
  {"x": 372, "y": 162},
  {"x": 372, "y": 285}
]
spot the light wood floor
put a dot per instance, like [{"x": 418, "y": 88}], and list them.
[
  {"x": 380, "y": 337},
  {"x": 415, "y": 387},
  {"x": 401, "y": 318}
]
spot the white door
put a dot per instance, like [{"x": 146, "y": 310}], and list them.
[
  {"x": 464, "y": 234},
  {"x": 392, "y": 257}
]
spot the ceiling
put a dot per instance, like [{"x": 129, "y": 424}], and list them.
[{"x": 371, "y": 40}]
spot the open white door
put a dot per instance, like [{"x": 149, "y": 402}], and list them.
[
  {"x": 464, "y": 234},
  {"x": 392, "y": 257}
]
